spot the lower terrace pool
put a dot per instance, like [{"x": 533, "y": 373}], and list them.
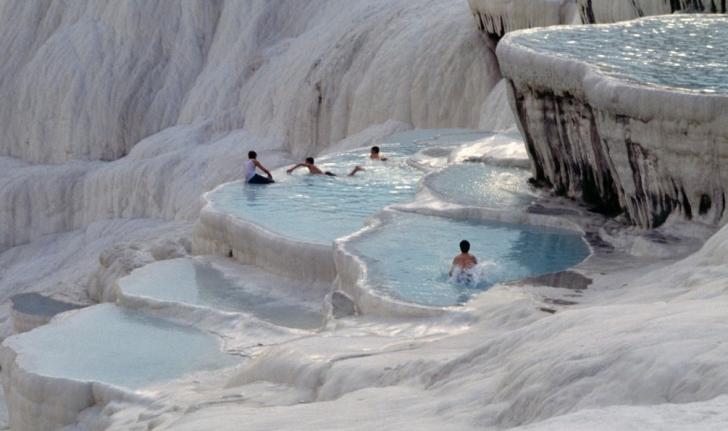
[
  {"x": 482, "y": 184},
  {"x": 108, "y": 344},
  {"x": 319, "y": 208},
  {"x": 250, "y": 290},
  {"x": 408, "y": 258}
]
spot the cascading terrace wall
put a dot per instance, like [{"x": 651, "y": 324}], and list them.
[{"x": 620, "y": 148}]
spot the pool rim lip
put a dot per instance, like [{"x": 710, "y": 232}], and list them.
[{"x": 538, "y": 69}]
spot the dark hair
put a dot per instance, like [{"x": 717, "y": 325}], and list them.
[
  {"x": 375, "y": 149},
  {"x": 309, "y": 160},
  {"x": 464, "y": 246},
  {"x": 252, "y": 154}
]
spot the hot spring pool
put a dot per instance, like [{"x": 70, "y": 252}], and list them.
[
  {"x": 679, "y": 51},
  {"x": 481, "y": 184},
  {"x": 191, "y": 281},
  {"x": 408, "y": 258},
  {"x": 108, "y": 344},
  {"x": 320, "y": 209}
]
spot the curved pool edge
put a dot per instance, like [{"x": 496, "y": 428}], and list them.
[
  {"x": 352, "y": 280},
  {"x": 40, "y": 402},
  {"x": 222, "y": 234}
]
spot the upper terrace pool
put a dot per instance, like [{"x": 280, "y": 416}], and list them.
[
  {"x": 319, "y": 208},
  {"x": 679, "y": 51}
]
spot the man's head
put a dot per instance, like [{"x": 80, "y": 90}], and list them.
[
  {"x": 309, "y": 160},
  {"x": 252, "y": 155},
  {"x": 464, "y": 246},
  {"x": 375, "y": 150}
]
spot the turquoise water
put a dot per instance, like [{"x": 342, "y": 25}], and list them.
[
  {"x": 483, "y": 185},
  {"x": 108, "y": 344},
  {"x": 319, "y": 209},
  {"x": 409, "y": 258},
  {"x": 198, "y": 283},
  {"x": 681, "y": 51}
]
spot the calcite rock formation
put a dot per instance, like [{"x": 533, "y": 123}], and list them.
[{"x": 647, "y": 150}]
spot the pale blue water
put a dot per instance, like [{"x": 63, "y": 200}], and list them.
[
  {"x": 409, "y": 258},
  {"x": 108, "y": 344},
  {"x": 317, "y": 208},
  {"x": 197, "y": 283},
  {"x": 483, "y": 185},
  {"x": 681, "y": 51}
]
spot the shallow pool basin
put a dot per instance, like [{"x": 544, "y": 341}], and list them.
[
  {"x": 230, "y": 288},
  {"x": 480, "y": 184},
  {"x": 409, "y": 256},
  {"x": 108, "y": 344}
]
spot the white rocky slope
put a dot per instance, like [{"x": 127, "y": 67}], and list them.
[{"x": 200, "y": 83}]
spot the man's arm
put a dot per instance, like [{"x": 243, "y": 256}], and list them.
[
  {"x": 262, "y": 168},
  {"x": 452, "y": 267},
  {"x": 295, "y": 167}
]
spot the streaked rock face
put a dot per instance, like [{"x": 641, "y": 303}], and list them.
[{"x": 606, "y": 11}]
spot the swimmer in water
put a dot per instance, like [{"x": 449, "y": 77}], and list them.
[
  {"x": 314, "y": 170},
  {"x": 463, "y": 262},
  {"x": 374, "y": 154}
]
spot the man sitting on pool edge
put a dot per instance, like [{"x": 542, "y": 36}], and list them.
[
  {"x": 250, "y": 176},
  {"x": 462, "y": 263},
  {"x": 314, "y": 170}
]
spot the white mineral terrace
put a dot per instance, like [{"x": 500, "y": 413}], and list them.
[
  {"x": 326, "y": 303},
  {"x": 636, "y": 138}
]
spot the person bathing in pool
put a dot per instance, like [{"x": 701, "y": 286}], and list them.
[
  {"x": 250, "y": 176},
  {"x": 314, "y": 170},
  {"x": 374, "y": 154},
  {"x": 463, "y": 262}
]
